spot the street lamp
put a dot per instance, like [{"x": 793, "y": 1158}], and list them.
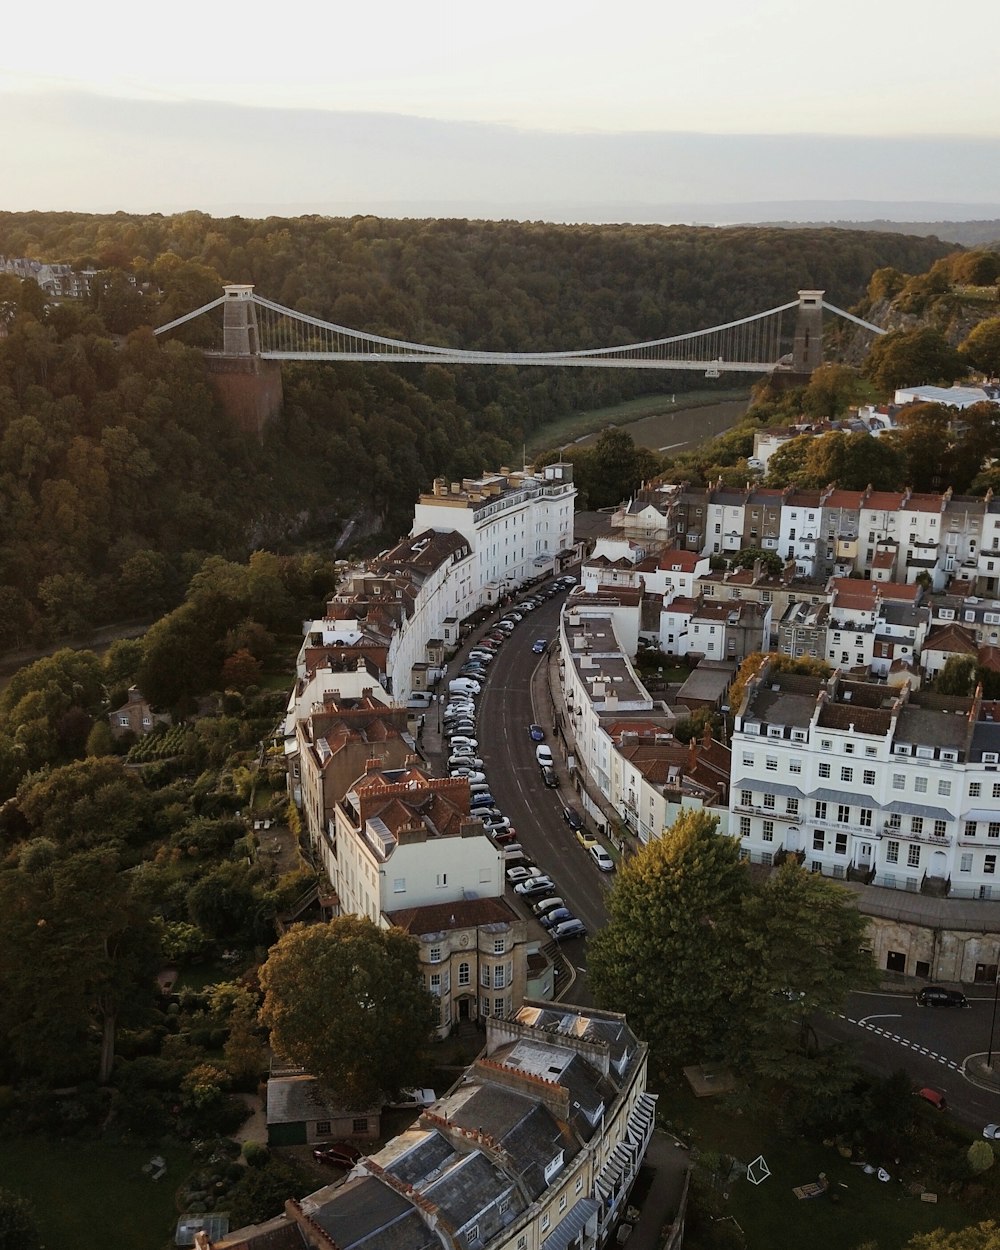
[{"x": 993, "y": 1022}]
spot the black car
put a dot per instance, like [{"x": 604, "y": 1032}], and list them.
[
  {"x": 573, "y": 818},
  {"x": 550, "y": 777},
  {"x": 938, "y": 996}
]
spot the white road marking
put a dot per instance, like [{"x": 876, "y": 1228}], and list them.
[
  {"x": 863, "y": 1023},
  {"x": 671, "y": 446}
]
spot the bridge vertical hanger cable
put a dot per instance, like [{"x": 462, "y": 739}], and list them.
[{"x": 748, "y": 344}]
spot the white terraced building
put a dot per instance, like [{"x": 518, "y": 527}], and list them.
[
  {"x": 865, "y": 782},
  {"x": 519, "y": 525}
]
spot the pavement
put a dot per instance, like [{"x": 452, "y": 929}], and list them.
[{"x": 670, "y": 1164}]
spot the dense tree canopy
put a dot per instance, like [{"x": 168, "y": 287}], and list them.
[
  {"x": 669, "y": 954},
  {"x": 346, "y": 1000},
  {"x": 709, "y": 966},
  {"x": 120, "y": 472},
  {"x": 911, "y": 358}
]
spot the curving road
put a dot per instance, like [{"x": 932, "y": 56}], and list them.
[
  {"x": 505, "y": 711},
  {"x": 888, "y": 1031}
]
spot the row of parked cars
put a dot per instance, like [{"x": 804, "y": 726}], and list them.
[{"x": 459, "y": 726}]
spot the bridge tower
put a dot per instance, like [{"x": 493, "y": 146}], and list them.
[
  {"x": 248, "y": 387},
  {"x": 807, "y": 349}
]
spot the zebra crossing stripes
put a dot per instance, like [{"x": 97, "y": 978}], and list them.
[{"x": 904, "y": 1042}]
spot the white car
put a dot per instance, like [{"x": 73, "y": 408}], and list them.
[
  {"x": 521, "y": 873},
  {"x": 535, "y": 885},
  {"x": 415, "y": 1098},
  {"x": 601, "y": 858},
  {"x": 469, "y": 774},
  {"x": 543, "y": 754},
  {"x": 992, "y": 1132}
]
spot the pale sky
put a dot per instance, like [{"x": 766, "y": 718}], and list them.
[{"x": 79, "y": 83}]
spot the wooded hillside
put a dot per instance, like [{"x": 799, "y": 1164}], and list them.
[{"x": 118, "y": 473}]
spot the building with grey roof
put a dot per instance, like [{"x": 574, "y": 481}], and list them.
[
  {"x": 886, "y": 787},
  {"x": 536, "y": 1147}
]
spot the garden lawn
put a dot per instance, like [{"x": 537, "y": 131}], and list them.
[
  {"x": 93, "y": 1196},
  {"x": 771, "y": 1215}
]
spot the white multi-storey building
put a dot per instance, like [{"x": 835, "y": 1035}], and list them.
[
  {"x": 518, "y": 525},
  {"x": 861, "y": 781},
  {"x": 403, "y": 839}
]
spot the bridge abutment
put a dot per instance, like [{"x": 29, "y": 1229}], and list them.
[
  {"x": 248, "y": 387},
  {"x": 249, "y": 390}
]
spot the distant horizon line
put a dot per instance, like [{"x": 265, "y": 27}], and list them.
[{"x": 715, "y": 214}]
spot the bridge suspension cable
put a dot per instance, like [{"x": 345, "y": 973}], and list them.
[
  {"x": 749, "y": 344},
  {"x": 257, "y": 326}
]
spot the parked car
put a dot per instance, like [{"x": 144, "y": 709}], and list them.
[
  {"x": 469, "y": 774},
  {"x": 554, "y": 917},
  {"x": 534, "y": 885},
  {"x": 502, "y": 831},
  {"x": 938, "y": 996},
  {"x": 546, "y": 905},
  {"x": 483, "y": 799},
  {"x": 543, "y": 755},
  {"x": 601, "y": 858},
  {"x": 934, "y": 1097},
  {"x": 569, "y": 929},
  {"x": 337, "y": 1154},
  {"x": 461, "y": 729},
  {"x": 573, "y": 818},
  {"x": 536, "y": 733},
  {"x": 487, "y": 814},
  {"x": 539, "y": 645},
  {"x": 463, "y": 740},
  {"x": 551, "y": 778},
  {"x": 585, "y": 838},
  {"x": 992, "y": 1132},
  {"x": 464, "y": 685},
  {"x": 522, "y": 872},
  {"x": 414, "y": 1098}
]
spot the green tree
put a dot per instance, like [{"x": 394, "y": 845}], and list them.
[
  {"x": 957, "y": 677},
  {"x": 853, "y": 461},
  {"x": 983, "y": 1236},
  {"x": 787, "y": 466},
  {"x": 346, "y": 1000},
  {"x": 669, "y": 954},
  {"x": 912, "y": 358},
  {"x": 76, "y": 954},
  {"x": 802, "y": 938},
  {"x": 832, "y": 390},
  {"x": 241, "y": 670},
  {"x": 923, "y": 440},
  {"x": 981, "y": 347},
  {"x": 748, "y": 557},
  {"x": 18, "y": 1230}
]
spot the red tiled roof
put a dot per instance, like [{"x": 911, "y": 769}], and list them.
[
  {"x": 675, "y": 558},
  {"x": 851, "y": 499},
  {"x": 989, "y": 658},
  {"x": 924, "y": 503},
  {"x": 885, "y": 500},
  {"x": 952, "y": 638}
]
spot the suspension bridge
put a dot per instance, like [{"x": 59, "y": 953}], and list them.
[{"x": 255, "y": 327}]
